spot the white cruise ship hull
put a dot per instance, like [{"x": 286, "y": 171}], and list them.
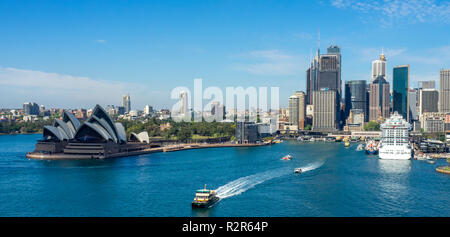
[{"x": 395, "y": 153}]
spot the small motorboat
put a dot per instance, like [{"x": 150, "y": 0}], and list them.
[
  {"x": 297, "y": 170},
  {"x": 431, "y": 161},
  {"x": 360, "y": 147},
  {"x": 288, "y": 157}
]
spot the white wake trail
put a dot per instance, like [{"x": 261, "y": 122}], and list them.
[{"x": 243, "y": 184}]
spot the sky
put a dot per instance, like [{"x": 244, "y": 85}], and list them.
[{"x": 73, "y": 54}]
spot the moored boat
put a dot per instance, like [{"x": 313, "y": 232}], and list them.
[
  {"x": 371, "y": 147},
  {"x": 395, "y": 143}
]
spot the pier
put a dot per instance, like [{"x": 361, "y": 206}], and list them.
[{"x": 169, "y": 148}]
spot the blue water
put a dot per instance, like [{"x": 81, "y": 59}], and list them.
[{"x": 254, "y": 181}]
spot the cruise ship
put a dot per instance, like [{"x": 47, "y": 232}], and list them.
[{"x": 395, "y": 139}]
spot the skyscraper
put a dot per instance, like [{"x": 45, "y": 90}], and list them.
[
  {"x": 293, "y": 110},
  {"x": 379, "y": 99},
  {"x": 379, "y": 67},
  {"x": 355, "y": 97},
  {"x": 301, "y": 109},
  {"x": 325, "y": 118},
  {"x": 126, "y": 103},
  {"x": 444, "y": 91},
  {"x": 427, "y": 84},
  {"x": 400, "y": 90},
  {"x": 184, "y": 103},
  {"x": 429, "y": 99},
  {"x": 330, "y": 70}
]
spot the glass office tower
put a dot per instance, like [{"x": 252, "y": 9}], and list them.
[{"x": 400, "y": 89}]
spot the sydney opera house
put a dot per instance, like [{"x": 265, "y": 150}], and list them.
[{"x": 98, "y": 137}]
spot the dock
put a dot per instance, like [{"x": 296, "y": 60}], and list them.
[{"x": 169, "y": 148}]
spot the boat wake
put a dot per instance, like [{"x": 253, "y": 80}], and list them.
[{"x": 243, "y": 184}]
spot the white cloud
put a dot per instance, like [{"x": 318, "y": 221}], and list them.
[
  {"x": 271, "y": 63},
  {"x": 393, "y": 11},
  {"x": 101, "y": 41},
  {"x": 53, "y": 89}
]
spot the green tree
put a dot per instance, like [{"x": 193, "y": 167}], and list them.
[
  {"x": 372, "y": 126},
  {"x": 184, "y": 134}
]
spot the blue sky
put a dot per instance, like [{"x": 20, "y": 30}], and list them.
[{"x": 75, "y": 54}]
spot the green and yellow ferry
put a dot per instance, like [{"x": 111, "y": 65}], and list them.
[{"x": 204, "y": 198}]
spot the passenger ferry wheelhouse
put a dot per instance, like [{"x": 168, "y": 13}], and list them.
[{"x": 395, "y": 143}]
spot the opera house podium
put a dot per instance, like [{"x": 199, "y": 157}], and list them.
[{"x": 96, "y": 138}]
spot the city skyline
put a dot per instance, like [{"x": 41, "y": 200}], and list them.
[{"x": 142, "y": 50}]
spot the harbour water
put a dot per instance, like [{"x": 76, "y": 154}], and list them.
[{"x": 252, "y": 181}]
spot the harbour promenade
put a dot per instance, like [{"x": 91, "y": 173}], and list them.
[{"x": 168, "y": 148}]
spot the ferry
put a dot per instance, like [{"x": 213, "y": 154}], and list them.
[
  {"x": 371, "y": 147},
  {"x": 204, "y": 198},
  {"x": 288, "y": 157},
  {"x": 395, "y": 139},
  {"x": 346, "y": 142}
]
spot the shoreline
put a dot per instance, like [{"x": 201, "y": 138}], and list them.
[{"x": 170, "y": 148}]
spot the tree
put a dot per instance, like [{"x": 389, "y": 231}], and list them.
[
  {"x": 372, "y": 126},
  {"x": 184, "y": 134}
]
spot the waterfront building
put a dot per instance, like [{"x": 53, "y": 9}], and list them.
[
  {"x": 355, "y": 120},
  {"x": 444, "y": 91},
  {"x": 97, "y": 137},
  {"x": 432, "y": 122},
  {"x": 355, "y": 97},
  {"x": 126, "y": 103},
  {"x": 30, "y": 108},
  {"x": 246, "y": 132},
  {"x": 395, "y": 138},
  {"x": 428, "y": 100},
  {"x": 379, "y": 67},
  {"x": 379, "y": 99},
  {"x": 400, "y": 91},
  {"x": 325, "y": 118}
]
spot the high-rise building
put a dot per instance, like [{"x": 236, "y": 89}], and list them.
[
  {"x": 301, "y": 109},
  {"x": 325, "y": 118},
  {"x": 330, "y": 70},
  {"x": 30, "y": 108},
  {"x": 379, "y": 67},
  {"x": 379, "y": 99},
  {"x": 400, "y": 91},
  {"x": 218, "y": 111},
  {"x": 355, "y": 97},
  {"x": 324, "y": 72},
  {"x": 293, "y": 110},
  {"x": 427, "y": 85},
  {"x": 429, "y": 99},
  {"x": 184, "y": 103},
  {"x": 148, "y": 109},
  {"x": 444, "y": 91},
  {"x": 412, "y": 103},
  {"x": 126, "y": 103}
]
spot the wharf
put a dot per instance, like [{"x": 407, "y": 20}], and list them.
[{"x": 169, "y": 148}]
